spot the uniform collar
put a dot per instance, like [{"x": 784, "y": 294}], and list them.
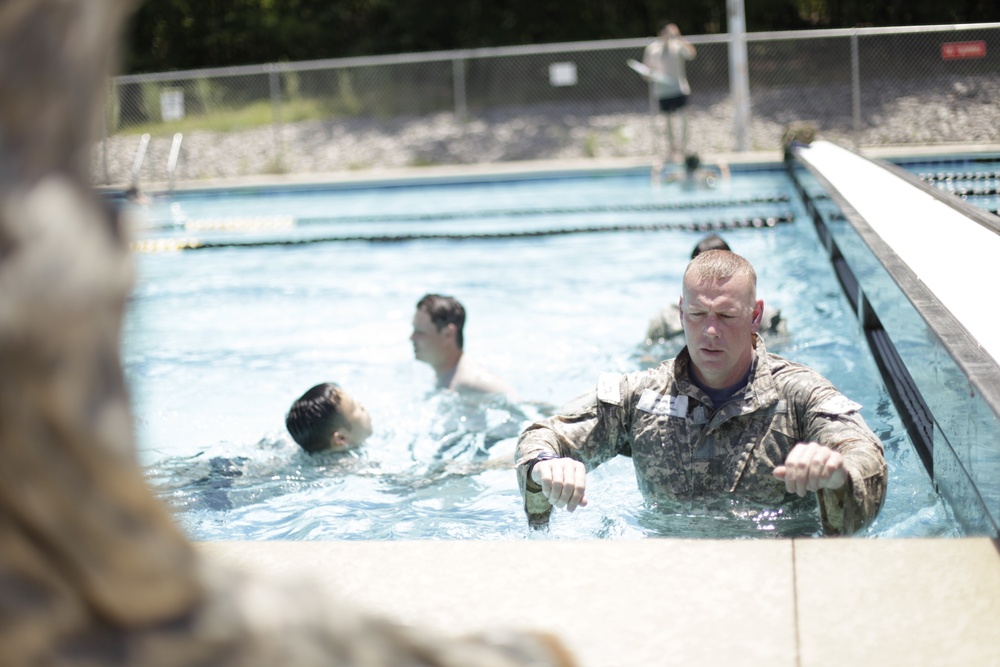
[
  {"x": 760, "y": 387},
  {"x": 761, "y": 376}
]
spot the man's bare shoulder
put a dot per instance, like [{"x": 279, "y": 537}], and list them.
[{"x": 472, "y": 376}]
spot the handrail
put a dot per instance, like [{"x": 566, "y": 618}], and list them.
[
  {"x": 140, "y": 155},
  {"x": 175, "y": 151}
]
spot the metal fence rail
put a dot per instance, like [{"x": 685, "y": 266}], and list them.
[{"x": 866, "y": 87}]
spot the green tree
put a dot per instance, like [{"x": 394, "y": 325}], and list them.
[{"x": 187, "y": 34}]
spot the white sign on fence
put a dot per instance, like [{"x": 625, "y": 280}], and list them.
[
  {"x": 172, "y": 104},
  {"x": 562, "y": 74}
]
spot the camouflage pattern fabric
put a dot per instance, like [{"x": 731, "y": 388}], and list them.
[{"x": 682, "y": 449}]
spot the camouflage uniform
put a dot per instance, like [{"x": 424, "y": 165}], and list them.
[{"x": 681, "y": 448}]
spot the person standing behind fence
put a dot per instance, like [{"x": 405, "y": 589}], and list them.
[{"x": 665, "y": 58}]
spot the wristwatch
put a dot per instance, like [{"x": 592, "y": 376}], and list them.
[{"x": 542, "y": 456}]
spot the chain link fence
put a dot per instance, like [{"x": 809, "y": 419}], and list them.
[{"x": 861, "y": 87}]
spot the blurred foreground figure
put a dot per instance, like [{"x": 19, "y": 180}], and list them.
[{"x": 92, "y": 570}]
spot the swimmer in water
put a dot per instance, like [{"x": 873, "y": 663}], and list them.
[
  {"x": 438, "y": 341},
  {"x": 327, "y": 418}
]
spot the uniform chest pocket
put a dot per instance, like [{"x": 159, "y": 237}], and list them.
[
  {"x": 662, "y": 438},
  {"x": 661, "y": 422},
  {"x": 766, "y": 445}
]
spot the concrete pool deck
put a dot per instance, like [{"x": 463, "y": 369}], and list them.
[
  {"x": 510, "y": 169},
  {"x": 799, "y": 602},
  {"x": 794, "y": 603}
]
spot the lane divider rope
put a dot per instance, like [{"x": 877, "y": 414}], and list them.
[
  {"x": 180, "y": 244},
  {"x": 959, "y": 176},
  {"x": 233, "y": 224}
]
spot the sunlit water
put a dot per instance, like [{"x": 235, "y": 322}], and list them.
[
  {"x": 218, "y": 343},
  {"x": 976, "y": 180}
]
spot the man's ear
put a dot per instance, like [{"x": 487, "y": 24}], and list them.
[
  {"x": 758, "y": 315},
  {"x": 450, "y": 330}
]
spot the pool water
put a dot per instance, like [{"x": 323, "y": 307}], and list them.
[
  {"x": 975, "y": 180},
  {"x": 219, "y": 342}
]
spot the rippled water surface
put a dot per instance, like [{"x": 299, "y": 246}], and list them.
[{"x": 219, "y": 342}]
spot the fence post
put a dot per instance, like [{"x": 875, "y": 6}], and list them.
[
  {"x": 739, "y": 77},
  {"x": 108, "y": 92},
  {"x": 654, "y": 113},
  {"x": 272, "y": 75},
  {"x": 458, "y": 77},
  {"x": 856, "y": 89}
]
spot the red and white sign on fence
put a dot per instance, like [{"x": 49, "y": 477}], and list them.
[{"x": 959, "y": 50}]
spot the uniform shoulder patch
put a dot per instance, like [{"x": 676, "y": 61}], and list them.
[
  {"x": 838, "y": 405},
  {"x": 609, "y": 388}
]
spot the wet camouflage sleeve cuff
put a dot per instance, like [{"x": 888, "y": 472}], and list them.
[{"x": 849, "y": 512}]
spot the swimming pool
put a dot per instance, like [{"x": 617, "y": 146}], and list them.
[
  {"x": 219, "y": 342},
  {"x": 973, "y": 180}
]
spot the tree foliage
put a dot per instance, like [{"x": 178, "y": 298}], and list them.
[{"x": 186, "y": 34}]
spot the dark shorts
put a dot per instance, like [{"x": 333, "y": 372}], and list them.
[{"x": 668, "y": 104}]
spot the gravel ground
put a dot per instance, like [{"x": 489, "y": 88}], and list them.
[{"x": 894, "y": 113}]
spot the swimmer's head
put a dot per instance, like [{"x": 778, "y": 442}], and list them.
[
  {"x": 710, "y": 242},
  {"x": 328, "y": 418},
  {"x": 134, "y": 195},
  {"x": 437, "y": 327},
  {"x": 692, "y": 162}
]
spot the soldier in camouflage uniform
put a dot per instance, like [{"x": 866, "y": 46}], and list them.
[{"x": 723, "y": 417}]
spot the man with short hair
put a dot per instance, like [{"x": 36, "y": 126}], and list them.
[
  {"x": 327, "y": 418},
  {"x": 438, "y": 341},
  {"x": 723, "y": 419},
  {"x": 666, "y": 324}
]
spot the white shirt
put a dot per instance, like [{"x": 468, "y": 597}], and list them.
[{"x": 667, "y": 61}]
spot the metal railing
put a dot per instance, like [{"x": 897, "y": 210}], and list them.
[
  {"x": 175, "y": 152},
  {"x": 865, "y": 87},
  {"x": 140, "y": 157}
]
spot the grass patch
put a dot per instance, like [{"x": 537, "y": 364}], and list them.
[
  {"x": 421, "y": 161},
  {"x": 275, "y": 166},
  {"x": 252, "y": 115}
]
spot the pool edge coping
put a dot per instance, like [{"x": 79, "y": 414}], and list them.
[{"x": 490, "y": 171}]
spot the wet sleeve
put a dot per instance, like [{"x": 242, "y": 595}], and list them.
[
  {"x": 833, "y": 420},
  {"x": 592, "y": 428},
  {"x": 665, "y": 324}
]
